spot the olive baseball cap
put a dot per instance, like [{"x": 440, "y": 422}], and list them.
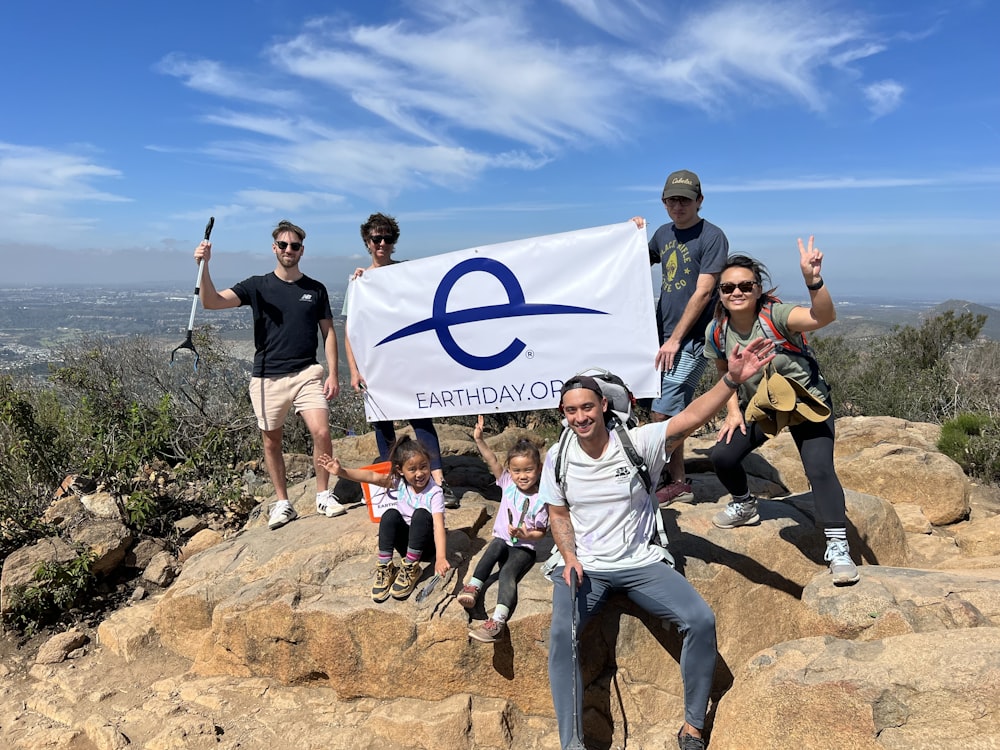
[{"x": 683, "y": 184}]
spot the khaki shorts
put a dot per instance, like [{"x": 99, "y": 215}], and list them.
[{"x": 273, "y": 397}]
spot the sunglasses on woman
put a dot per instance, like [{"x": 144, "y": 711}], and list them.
[{"x": 729, "y": 287}]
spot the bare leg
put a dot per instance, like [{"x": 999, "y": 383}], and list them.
[
  {"x": 275, "y": 461},
  {"x": 318, "y": 422}
]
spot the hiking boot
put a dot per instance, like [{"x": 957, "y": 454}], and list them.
[
  {"x": 406, "y": 580},
  {"x": 467, "y": 596},
  {"x": 675, "y": 492},
  {"x": 488, "y": 632},
  {"x": 842, "y": 567},
  {"x": 451, "y": 501},
  {"x": 281, "y": 513},
  {"x": 689, "y": 741},
  {"x": 385, "y": 574},
  {"x": 737, "y": 514},
  {"x": 328, "y": 504}
]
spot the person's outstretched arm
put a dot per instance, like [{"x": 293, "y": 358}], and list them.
[
  {"x": 211, "y": 299},
  {"x": 821, "y": 312},
  {"x": 742, "y": 365},
  {"x": 485, "y": 451}
]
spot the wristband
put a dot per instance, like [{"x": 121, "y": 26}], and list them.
[
  {"x": 730, "y": 382},
  {"x": 815, "y": 287}
]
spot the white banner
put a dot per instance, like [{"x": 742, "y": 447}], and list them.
[{"x": 499, "y": 328}]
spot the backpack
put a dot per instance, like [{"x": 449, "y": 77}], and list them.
[
  {"x": 620, "y": 416},
  {"x": 717, "y": 331}
]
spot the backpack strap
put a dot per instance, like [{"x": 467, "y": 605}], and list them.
[
  {"x": 717, "y": 337},
  {"x": 560, "y": 467},
  {"x": 643, "y": 471},
  {"x": 634, "y": 458},
  {"x": 771, "y": 331},
  {"x": 719, "y": 330}
]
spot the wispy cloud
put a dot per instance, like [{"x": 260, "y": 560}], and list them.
[
  {"x": 767, "y": 50},
  {"x": 483, "y": 72},
  {"x": 455, "y": 89},
  {"x": 40, "y": 186},
  {"x": 884, "y": 97},
  {"x": 823, "y": 183},
  {"x": 988, "y": 176},
  {"x": 622, "y": 18},
  {"x": 210, "y": 77}
]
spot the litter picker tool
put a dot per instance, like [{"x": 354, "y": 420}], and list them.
[
  {"x": 428, "y": 589},
  {"x": 575, "y": 743},
  {"x": 188, "y": 343}
]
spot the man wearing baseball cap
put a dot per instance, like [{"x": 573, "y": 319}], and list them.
[
  {"x": 692, "y": 253},
  {"x": 603, "y": 522}
]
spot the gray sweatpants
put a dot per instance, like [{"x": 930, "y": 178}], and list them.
[{"x": 663, "y": 593}]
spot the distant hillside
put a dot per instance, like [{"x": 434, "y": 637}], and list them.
[{"x": 991, "y": 329}]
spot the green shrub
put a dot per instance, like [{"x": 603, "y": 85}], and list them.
[
  {"x": 54, "y": 589},
  {"x": 910, "y": 373},
  {"x": 31, "y": 455},
  {"x": 973, "y": 441}
]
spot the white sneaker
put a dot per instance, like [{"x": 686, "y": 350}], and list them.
[
  {"x": 281, "y": 513},
  {"x": 326, "y": 502},
  {"x": 842, "y": 567}
]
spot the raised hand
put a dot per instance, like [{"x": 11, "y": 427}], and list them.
[
  {"x": 477, "y": 432},
  {"x": 743, "y": 365},
  {"x": 811, "y": 261},
  {"x": 331, "y": 464}
]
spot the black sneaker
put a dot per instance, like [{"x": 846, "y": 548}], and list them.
[
  {"x": 451, "y": 500},
  {"x": 689, "y": 741}
]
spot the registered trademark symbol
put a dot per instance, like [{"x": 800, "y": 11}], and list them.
[{"x": 529, "y": 354}]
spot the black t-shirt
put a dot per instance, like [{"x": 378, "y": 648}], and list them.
[{"x": 286, "y": 318}]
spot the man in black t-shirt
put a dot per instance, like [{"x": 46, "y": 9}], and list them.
[{"x": 288, "y": 308}]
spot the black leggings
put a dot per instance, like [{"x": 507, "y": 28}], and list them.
[
  {"x": 815, "y": 443},
  {"x": 514, "y": 563},
  {"x": 394, "y": 534}
]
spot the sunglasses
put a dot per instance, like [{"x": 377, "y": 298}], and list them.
[
  {"x": 378, "y": 239},
  {"x": 744, "y": 286},
  {"x": 296, "y": 246}
]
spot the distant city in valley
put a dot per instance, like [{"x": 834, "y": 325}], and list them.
[{"x": 36, "y": 321}]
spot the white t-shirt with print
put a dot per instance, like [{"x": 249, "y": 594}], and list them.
[{"x": 613, "y": 516}]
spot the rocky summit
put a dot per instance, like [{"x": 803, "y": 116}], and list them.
[{"x": 269, "y": 639}]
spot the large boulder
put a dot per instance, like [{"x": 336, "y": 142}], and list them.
[
  {"x": 886, "y": 457},
  {"x": 920, "y": 691},
  {"x": 270, "y": 604},
  {"x": 20, "y": 566}
]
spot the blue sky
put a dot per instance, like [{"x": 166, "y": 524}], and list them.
[{"x": 873, "y": 125}]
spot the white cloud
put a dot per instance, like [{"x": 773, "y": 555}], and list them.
[
  {"x": 271, "y": 201},
  {"x": 454, "y": 90},
  {"x": 210, "y": 77},
  {"x": 620, "y": 18},
  {"x": 741, "y": 50},
  {"x": 884, "y": 97},
  {"x": 38, "y": 187},
  {"x": 481, "y": 72},
  {"x": 823, "y": 183}
]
